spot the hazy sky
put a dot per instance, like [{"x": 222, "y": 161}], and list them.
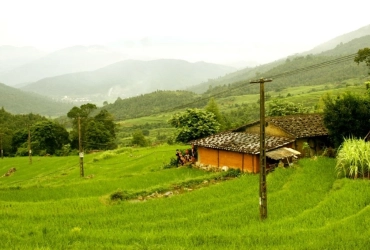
[{"x": 215, "y": 31}]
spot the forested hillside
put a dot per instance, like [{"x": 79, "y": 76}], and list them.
[
  {"x": 154, "y": 103},
  {"x": 332, "y": 70},
  {"x": 345, "y": 38},
  {"x": 332, "y": 74},
  {"x": 10, "y": 123},
  {"x": 21, "y": 102}
]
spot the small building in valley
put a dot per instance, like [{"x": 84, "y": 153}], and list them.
[{"x": 286, "y": 137}]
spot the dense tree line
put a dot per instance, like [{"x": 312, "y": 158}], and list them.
[
  {"x": 21, "y": 133},
  {"x": 94, "y": 132}
]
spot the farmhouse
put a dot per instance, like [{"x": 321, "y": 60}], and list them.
[{"x": 286, "y": 137}]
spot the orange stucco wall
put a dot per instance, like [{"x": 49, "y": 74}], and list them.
[{"x": 220, "y": 158}]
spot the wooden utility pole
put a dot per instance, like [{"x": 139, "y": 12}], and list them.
[
  {"x": 81, "y": 153},
  {"x": 29, "y": 145},
  {"x": 263, "y": 184}
]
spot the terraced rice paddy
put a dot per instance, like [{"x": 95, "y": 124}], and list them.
[{"x": 47, "y": 205}]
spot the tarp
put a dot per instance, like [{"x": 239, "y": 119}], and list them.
[{"x": 282, "y": 153}]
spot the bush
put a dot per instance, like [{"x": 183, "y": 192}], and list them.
[
  {"x": 119, "y": 195},
  {"x": 232, "y": 172},
  {"x": 171, "y": 164},
  {"x": 353, "y": 158}
]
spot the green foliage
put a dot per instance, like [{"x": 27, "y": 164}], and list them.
[
  {"x": 233, "y": 172},
  {"x": 49, "y": 136},
  {"x": 353, "y": 158},
  {"x": 194, "y": 124},
  {"x": 119, "y": 195},
  {"x": 346, "y": 116},
  {"x": 98, "y": 132},
  {"x": 153, "y": 103},
  {"x": 363, "y": 55},
  {"x": 241, "y": 114},
  {"x": 171, "y": 164},
  {"x": 279, "y": 107},
  {"x": 138, "y": 139},
  {"x": 13, "y": 130},
  {"x": 212, "y": 107},
  {"x": 240, "y": 85},
  {"x": 17, "y": 101},
  {"x": 101, "y": 132}
]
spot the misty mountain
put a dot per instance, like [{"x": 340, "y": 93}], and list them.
[
  {"x": 331, "y": 44},
  {"x": 12, "y": 57},
  {"x": 21, "y": 102},
  {"x": 340, "y": 49},
  {"x": 68, "y": 60},
  {"x": 129, "y": 78}
]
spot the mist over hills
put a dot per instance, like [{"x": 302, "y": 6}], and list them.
[
  {"x": 68, "y": 60},
  {"x": 331, "y": 44},
  {"x": 12, "y": 57},
  {"x": 21, "y": 102},
  {"x": 129, "y": 78},
  {"x": 340, "y": 49}
]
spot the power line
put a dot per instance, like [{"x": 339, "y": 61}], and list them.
[{"x": 281, "y": 75}]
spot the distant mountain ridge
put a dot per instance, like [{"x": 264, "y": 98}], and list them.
[
  {"x": 331, "y": 44},
  {"x": 21, "y": 102},
  {"x": 336, "y": 47},
  {"x": 129, "y": 78},
  {"x": 68, "y": 60}
]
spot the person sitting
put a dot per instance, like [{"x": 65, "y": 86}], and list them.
[
  {"x": 187, "y": 156},
  {"x": 179, "y": 158}
]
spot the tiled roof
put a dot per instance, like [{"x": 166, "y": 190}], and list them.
[
  {"x": 301, "y": 125},
  {"x": 241, "y": 142},
  {"x": 307, "y": 125}
]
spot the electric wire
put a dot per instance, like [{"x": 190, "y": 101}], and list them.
[{"x": 277, "y": 76}]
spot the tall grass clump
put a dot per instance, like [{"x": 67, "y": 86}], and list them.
[{"x": 353, "y": 158}]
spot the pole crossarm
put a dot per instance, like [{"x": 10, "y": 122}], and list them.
[
  {"x": 263, "y": 184},
  {"x": 261, "y": 80}
]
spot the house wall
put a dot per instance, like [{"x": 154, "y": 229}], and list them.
[
  {"x": 219, "y": 158},
  {"x": 270, "y": 129},
  {"x": 317, "y": 145}
]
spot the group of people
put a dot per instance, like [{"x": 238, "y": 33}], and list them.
[{"x": 190, "y": 155}]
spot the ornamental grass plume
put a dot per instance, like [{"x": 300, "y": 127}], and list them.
[{"x": 353, "y": 158}]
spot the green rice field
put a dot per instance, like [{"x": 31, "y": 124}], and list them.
[{"x": 128, "y": 200}]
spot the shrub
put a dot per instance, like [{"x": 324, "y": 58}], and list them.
[
  {"x": 171, "y": 164},
  {"x": 233, "y": 172},
  {"x": 353, "y": 158},
  {"x": 119, "y": 195}
]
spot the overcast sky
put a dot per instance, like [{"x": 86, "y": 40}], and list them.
[{"x": 214, "y": 31}]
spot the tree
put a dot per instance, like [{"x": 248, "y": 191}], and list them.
[
  {"x": 100, "y": 131},
  {"x": 279, "y": 107},
  {"x": 363, "y": 55},
  {"x": 138, "y": 139},
  {"x": 346, "y": 116},
  {"x": 213, "y": 108},
  {"x": 79, "y": 113},
  {"x": 48, "y": 136},
  {"x": 194, "y": 124}
]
